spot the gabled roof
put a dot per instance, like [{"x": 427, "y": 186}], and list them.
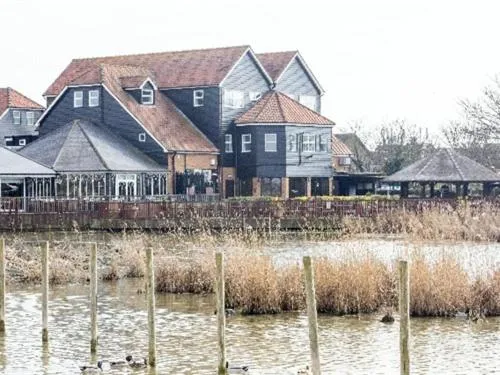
[
  {"x": 276, "y": 63},
  {"x": 277, "y": 108},
  {"x": 135, "y": 82},
  {"x": 339, "y": 148},
  {"x": 163, "y": 120},
  {"x": 13, "y": 164},
  {"x": 204, "y": 67},
  {"x": 81, "y": 146},
  {"x": 445, "y": 165},
  {"x": 10, "y": 98}
]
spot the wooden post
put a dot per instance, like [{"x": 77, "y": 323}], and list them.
[
  {"x": 404, "y": 312},
  {"x": 45, "y": 291},
  {"x": 150, "y": 288},
  {"x": 2, "y": 285},
  {"x": 221, "y": 313},
  {"x": 312, "y": 315},
  {"x": 93, "y": 298}
]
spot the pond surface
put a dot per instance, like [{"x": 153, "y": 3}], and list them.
[{"x": 186, "y": 337}]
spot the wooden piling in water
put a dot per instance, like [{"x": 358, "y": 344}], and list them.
[
  {"x": 221, "y": 313},
  {"x": 312, "y": 315},
  {"x": 45, "y": 291},
  {"x": 2, "y": 285},
  {"x": 93, "y": 298},
  {"x": 150, "y": 289},
  {"x": 404, "y": 312}
]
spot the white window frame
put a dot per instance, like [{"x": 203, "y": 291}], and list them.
[
  {"x": 30, "y": 118},
  {"x": 345, "y": 161},
  {"x": 270, "y": 142},
  {"x": 254, "y": 95},
  {"x": 228, "y": 142},
  {"x": 198, "y": 98},
  {"x": 309, "y": 141},
  {"x": 234, "y": 99},
  {"x": 94, "y": 98},
  {"x": 16, "y": 115},
  {"x": 22, "y": 142},
  {"x": 322, "y": 140},
  {"x": 78, "y": 99},
  {"x": 246, "y": 143},
  {"x": 147, "y": 96},
  {"x": 291, "y": 141},
  {"x": 309, "y": 101},
  {"x": 142, "y": 137}
]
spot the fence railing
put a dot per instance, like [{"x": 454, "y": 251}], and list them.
[{"x": 179, "y": 206}]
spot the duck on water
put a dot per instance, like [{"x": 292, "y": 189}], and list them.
[{"x": 129, "y": 361}]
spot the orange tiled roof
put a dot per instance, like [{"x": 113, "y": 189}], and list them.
[
  {"x": 277, "y": 108},
  {"x": 276, "y": 62},
  {"x": 133, "y": 82},
  {"x": 10, "y": 98},
  {"x": 339, "y": 148},
  {"x": 204, "y": 67},
  {"x": 163, "y": 119}
]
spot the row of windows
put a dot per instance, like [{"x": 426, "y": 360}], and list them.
[
  {"x": 93, "y": 99},
  {"x": 30, "y": 118},
  {"x": 308, "y": 142},
  {"x": 232, "y": 98}
]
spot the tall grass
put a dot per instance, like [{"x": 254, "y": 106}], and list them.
[
  {"x": 365, "y": 284},
  {"x": 466, "y": 222}
]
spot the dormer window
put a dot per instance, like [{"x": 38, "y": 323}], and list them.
[
  {"x": 17, "y": 117},
  {"x": 147, "y": 97}
]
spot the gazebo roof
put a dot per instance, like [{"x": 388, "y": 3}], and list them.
[
  {"x": 81, "y": 146},
  {"x": 445, "y": 165},
  {"x": 14, "y": 165}
]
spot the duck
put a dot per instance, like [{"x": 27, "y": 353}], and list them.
[
  {"x": 136, "y": 363},
  {"x": 108, "y": 365},
  {"x": 91, "y": 369},
  {"x": 304, "y": 371},
  {"x": 387, "y": 318},
  {"x": 236, "y": 369},
  {"x": 228, "y": 312}
]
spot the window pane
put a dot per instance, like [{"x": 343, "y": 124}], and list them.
[
  {"x": 17, "y": 117},
  {"x": 78, "y": 99},
  {"x": 93, "y": 98},
  {"x": 292, "y": 143},
  {"x": 270, "y": 143},
  {"x": 229, "y": 143},
  {"x": 198, "y": 98},
  {"x": 147, "y": 97},
  {"x": 234, "y": 99},
  {"x": 246, "y": 142},
  {"x": 30, "y": 118},
  {"x": 308, "y": 143}
]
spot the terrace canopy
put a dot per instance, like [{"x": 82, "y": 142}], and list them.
[
  {"x": 21, "y": 177},
  {"x": 446, "y": 167},
  {"x": 92, "y": 162}
]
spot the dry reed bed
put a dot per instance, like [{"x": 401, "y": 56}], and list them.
[
  {"x": 255, "y": 285},
  {"x": 465, "y": 223}
]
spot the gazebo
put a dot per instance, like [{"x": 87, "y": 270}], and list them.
[
  {"x": 93, "y": 163},
  {"x": 445, "y": 167},
  {"x": 21, "y": 177}
]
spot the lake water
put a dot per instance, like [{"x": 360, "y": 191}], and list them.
[{"x": 186, "y": 329}]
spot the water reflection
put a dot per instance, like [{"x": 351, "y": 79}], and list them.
[{"x": 186, "y": 332}]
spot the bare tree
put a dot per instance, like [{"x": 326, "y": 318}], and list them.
[{"x": 477, "y": 135}]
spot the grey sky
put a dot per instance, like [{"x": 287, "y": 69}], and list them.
[{"x": 377, "y": 60}]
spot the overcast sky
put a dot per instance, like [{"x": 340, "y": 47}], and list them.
[{"x": 377, "y": 60}]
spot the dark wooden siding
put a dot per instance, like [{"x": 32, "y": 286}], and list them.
[
  {"x": 63, "y": 112},
  {"x": 295, "y": 81},
  {"x": 258, "y": 162},
  {"x": 108, "y": 114},
  {"x": 206, "y": 117},
  {"x": 309, "y": 164},
  {"x": 245, "y": 77},
  {"x": 9, "y": 129},
  {"x": 122, "y": 123}
]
